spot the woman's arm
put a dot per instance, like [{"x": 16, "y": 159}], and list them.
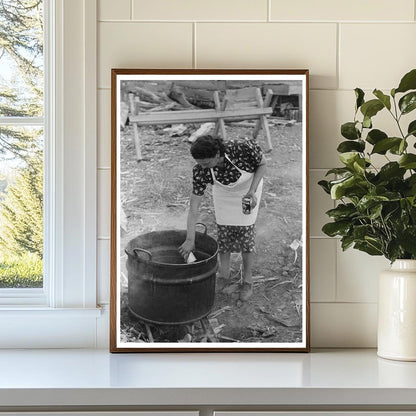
[
  {"x": 258, "y": 175},
  {"x": 193, "y": 215}
]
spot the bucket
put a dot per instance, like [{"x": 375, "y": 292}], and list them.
[{"x": 162, "y": 287}]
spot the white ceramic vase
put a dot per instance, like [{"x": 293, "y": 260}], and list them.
[{"x": 397, "y": 312}]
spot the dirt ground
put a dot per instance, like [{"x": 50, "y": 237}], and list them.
[{"x": 154, "y": 196}]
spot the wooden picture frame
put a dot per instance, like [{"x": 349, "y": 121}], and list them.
[{"x": 161, "y": 303}]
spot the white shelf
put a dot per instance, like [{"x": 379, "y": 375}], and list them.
[{"x": 57, "y": 378}]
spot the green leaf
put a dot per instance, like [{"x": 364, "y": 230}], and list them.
[
  {"x": 325, "y": 186},
  {"x": 369, "y": 201},
  {"x": 368, "y": 248},
  {"x": 375, "y": 212},
  {"x": 348, "y": 158},
  {"x": 375, "y": 135},
  {"x": 338, "y": 189},
  {"x": 349, "y": 131},
  {"x": 393, "y": 250},
  {"x": 399, "y": 148},
  {"x": 411, "y": 130},
  {"x": 391, "y": 170},
  {"x": 338, "y": 171},
  {"x": 371, "y": 108},
  {"x": 408, "y": 102},
  {"x": 342, "y": 211},
  {"x": 407, "y": 239},
  {"x": 333, "y": 229},
  {"x": 349, "y": 146},
  {"x": 346, "y": 242},
  {"x": 408, "y": 82},
  {"x": 359, "y": 95},
  {"x": 385, "y": 99},
  {"x": 350, "y": 187},
  {"x": 383, "y": 145},
  {"x": 402, "y": 147},
  {"x": 361, "y": 231},
  {"x": 408, "y": 161},
  {"x": 359, "y": 165},
  {"x": 367, "y": 122}
]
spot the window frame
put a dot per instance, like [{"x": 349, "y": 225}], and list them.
[{"x": 70, "y": 208}]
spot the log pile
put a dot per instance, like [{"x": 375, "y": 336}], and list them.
[{"x": 138, "y": 99}]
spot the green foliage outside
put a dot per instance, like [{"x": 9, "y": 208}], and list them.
[
  {"x": 21, "y": 271},
  {"x": 21, "y": 213},
  {"x": 21, "y": 95},
  {"x": 376, "y": 210}
]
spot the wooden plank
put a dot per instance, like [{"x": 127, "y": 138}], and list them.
[
  {"x": 263, "y": 120},
  {"x": 278, "y": 89},
  {"x": 242, "y": 98},
  {"x": 199, "y": 116},
  {"x": 220, "y": 123},
  {"x": 133, "y": 109},
  {"x": 209, "y": 332}
]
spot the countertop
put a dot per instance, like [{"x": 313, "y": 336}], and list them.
[{"x": 335, "y": 377}]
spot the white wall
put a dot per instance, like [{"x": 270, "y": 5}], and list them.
[{"x": 345, "y": 44}]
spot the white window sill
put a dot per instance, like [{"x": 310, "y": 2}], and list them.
[
  {"x": 40, "y": 327},
  {"x": 36, "y": 312}
]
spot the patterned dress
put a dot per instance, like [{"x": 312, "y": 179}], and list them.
[{"x": 245, "y": 155}]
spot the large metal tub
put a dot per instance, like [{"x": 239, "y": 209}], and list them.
[{"x": 162, "y": 288}]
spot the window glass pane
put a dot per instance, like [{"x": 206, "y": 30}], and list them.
[
  {"x": 21, "y": 58},
  {"x": 21, "y": 145},
  {"x": 21, "y": 211}
]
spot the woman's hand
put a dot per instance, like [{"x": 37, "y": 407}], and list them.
[
  {"x": 186, "y": 247},
  {"x": 253, "y": 198}
]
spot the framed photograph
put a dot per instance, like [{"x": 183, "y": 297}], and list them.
[{"x": 209, "y": 211}]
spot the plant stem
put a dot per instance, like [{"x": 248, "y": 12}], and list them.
[{"x": 397, "y": 118}]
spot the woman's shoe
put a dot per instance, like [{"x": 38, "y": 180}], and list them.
[{"x": 246, "y": 291}]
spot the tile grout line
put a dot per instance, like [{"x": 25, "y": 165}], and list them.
[
  {"x": 308, "y": 22},
  {"x": 194, "y": 29},
  {"x": 269, "y": 11},
  {"x": 355, "y": 302},
  {"x": 338, "y": 63},
  {"x": 131, "y": 10},
  {"x": 336, "y": 271}
]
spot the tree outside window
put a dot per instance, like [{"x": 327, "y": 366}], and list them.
[{"x": 21, "y": 143}]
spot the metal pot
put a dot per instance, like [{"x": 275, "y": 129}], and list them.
[{"x": 162, "y": 288}]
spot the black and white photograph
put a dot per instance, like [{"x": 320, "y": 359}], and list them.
[{"x": 209, "y": 230}]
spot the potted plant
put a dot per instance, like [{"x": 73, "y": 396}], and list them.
[{"x": 376, "y": 206}]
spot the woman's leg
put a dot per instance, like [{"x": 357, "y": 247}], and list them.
[
  {"x": 247, "y": 289},
  {"x": 224, "y": 268},
  {"x": 248, "y": 261}
]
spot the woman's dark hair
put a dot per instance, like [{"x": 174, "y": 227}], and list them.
[{"x": 206, "y": 147}]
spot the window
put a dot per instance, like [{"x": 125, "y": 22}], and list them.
[
  {"x": 22, "y": 128},
  {"x": 63, "y": 312}
]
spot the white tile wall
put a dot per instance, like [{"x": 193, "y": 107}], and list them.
[
  {"x": 104, "y": 128},
  {"x": 323, "y": 269},
  {"x": 142, "y": 45},
  {"x": 371, "y": 65},
  {"x": 350, "y": 325},
  {"x": 200, "y": 10},
  {"x": 114, "y": 10},
  {"x": 271, "y": 45},
  {"x": 103, "y": 270},
  {"x": 357, "y": 10},
  {"x": 357, "y": 275},
  {"x": 345, "y": 44},
  {"x": 104, "y": 202}
]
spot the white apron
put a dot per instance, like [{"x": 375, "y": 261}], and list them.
[{"x": 228, "y": 199}]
